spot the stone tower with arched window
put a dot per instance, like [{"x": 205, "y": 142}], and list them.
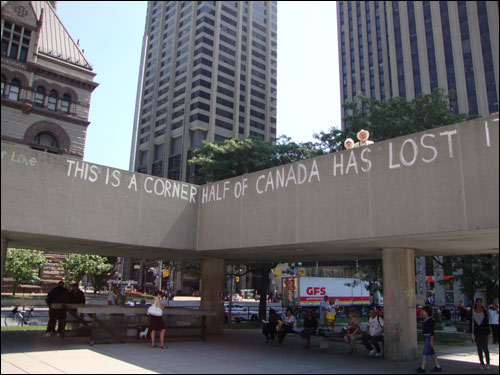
[
  {"x": 46, "y": 87},
  {"x": 46, "y": 80}
]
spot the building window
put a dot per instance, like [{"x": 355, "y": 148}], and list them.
[
  {"x": 39, "y": 96},
  {"x": 15, "y": 41},
  {"x": 46, "y": 139},
  {"x": 14, "y": 89},
  {"x": 52, "y": 103},
  {"x": 65, "y": 103}
]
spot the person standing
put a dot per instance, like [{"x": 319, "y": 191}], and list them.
[
  {"x": 324, "y": 307},
  {"x": 57, "y": 295},
  {"x": 156, "y": 322},
  {"x": 480, "y": 331},
  {"x": 113, "y": 296},
  {"x": 428, "y": 332},
  {"x": 363, "y": 136},
  {"x": 493, "y": 313},
  {"x": 77, "y": 297}
]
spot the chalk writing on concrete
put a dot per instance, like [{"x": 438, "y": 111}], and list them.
[
  {"x": 114, "y": 177},
  {"x": 19, "y": 158}
]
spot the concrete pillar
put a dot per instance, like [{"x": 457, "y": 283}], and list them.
[
  {"x": 212, "y": 294},
  {"x": 400, "y": 331},
  {"x": 5, "y": 242},
  {"x": 421, "y": 280},
  {"x": 439, "y": 288}
]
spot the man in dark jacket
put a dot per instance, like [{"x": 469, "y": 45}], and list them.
[
  {"x": 76, "y": 295},
  {"x": 57, "y": 295}
]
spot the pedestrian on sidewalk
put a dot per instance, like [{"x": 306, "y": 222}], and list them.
[
  {"x": 480, "y": 332},
  {"x": 493, "y": 313},
  {"x": 428, "y": 332},
  {"x": 57, "y": 316}
]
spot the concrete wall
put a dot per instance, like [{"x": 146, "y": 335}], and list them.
[
  {"x": 439, "y": 181},
  {"x": 49, "y": 195},
  {"x": 435, "y": 192}
]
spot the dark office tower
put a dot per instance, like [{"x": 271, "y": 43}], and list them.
[
  {"x": 208, "y": 72},
  {"x": 407, "y": 48}
]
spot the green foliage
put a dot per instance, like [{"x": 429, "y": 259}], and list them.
[
  {"x": 235, "y": 157},
  {"x": 192, "y": 269},
  {"x": 24, "y": 265},
  {"x": 392, "y": 118},
  {"x": 479, "y": 272},
  {"x": 77, "y": 266}
]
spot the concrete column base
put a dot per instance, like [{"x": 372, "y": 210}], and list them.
[
  {"x": 212, "y": 293},
  {"x": 400, "y": 331}
]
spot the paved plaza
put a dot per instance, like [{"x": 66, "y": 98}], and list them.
[{"x": 237, "y": 351}]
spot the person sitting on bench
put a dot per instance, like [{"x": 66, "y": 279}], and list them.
[
  {"x": 375, "y": 333},
  {"x": 310, "y": 327},
  {"x": 288, "y": 325}
]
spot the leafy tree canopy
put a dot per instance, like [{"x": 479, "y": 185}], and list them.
[
  {"x": 24, "y": 265},
  {"x": 478, "y": 272},
  {"x": 392, "y": 118},
  {"x": 235, "y": 157},
  {"x": 77, "y": 266}
]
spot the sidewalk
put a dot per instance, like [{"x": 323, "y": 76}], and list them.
[{"x": 237, "y": 351}]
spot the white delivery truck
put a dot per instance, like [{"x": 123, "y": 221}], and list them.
[
  {"x": 302, "y": 292},
  {"x": 346, "y": 291}
]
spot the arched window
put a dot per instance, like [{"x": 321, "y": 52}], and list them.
[
  {"x": 46, "y": 139},
  {"x": 52, "y": 103},
  {"x": 39, "y": 96},
  {"x": 65, "y": 103},
  {"x": 15, "y": 86},
  {"x": 4, "y": 81}
]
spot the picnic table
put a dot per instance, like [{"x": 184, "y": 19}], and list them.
[{"x": 107, "y": 323}]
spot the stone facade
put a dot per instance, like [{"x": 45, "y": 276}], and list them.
[{"x": 46, "y": 90}]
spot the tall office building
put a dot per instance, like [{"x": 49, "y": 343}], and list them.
[
  {"x": 406, "y": 48},
  {"x": 208, "y": 72}
]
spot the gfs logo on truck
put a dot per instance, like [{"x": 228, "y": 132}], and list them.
[{"x": 316, "y": 291}]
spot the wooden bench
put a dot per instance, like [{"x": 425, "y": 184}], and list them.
[{"x": 108, "y": 324}]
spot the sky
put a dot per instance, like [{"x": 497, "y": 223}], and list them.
[{"x": 111, "y": 32}]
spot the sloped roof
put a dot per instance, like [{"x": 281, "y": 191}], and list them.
[{"x": 55, "y": 41}]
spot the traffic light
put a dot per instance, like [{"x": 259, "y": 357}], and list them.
[
  {"x": 299, "y": 264},
  {"x": 166, "y": 273},
  {"x": 237, "y": 279},
  {"x": 278, "y": 271}
]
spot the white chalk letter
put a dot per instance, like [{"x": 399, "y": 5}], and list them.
[
  {"x": 450, "y": 143},
  {"x": 392, "y": 166},
  {"x": 431, "y": 147},
  {"x": 415, "y": 153}
]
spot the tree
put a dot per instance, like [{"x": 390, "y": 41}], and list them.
[
  {"x": 373, "y": 274},
  {"x": 235, "y": 157},
  {"x": 392, "y": 118},
  {"x": 77, "y": 266},
  {"x": 479, "y": 272},
  {"x": 24, "y": 265}
]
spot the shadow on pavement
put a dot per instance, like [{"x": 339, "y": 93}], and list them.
[{"x": 237, "y": 351}]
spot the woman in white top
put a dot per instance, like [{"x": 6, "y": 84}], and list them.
[{"x": 288, "y": 325}]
